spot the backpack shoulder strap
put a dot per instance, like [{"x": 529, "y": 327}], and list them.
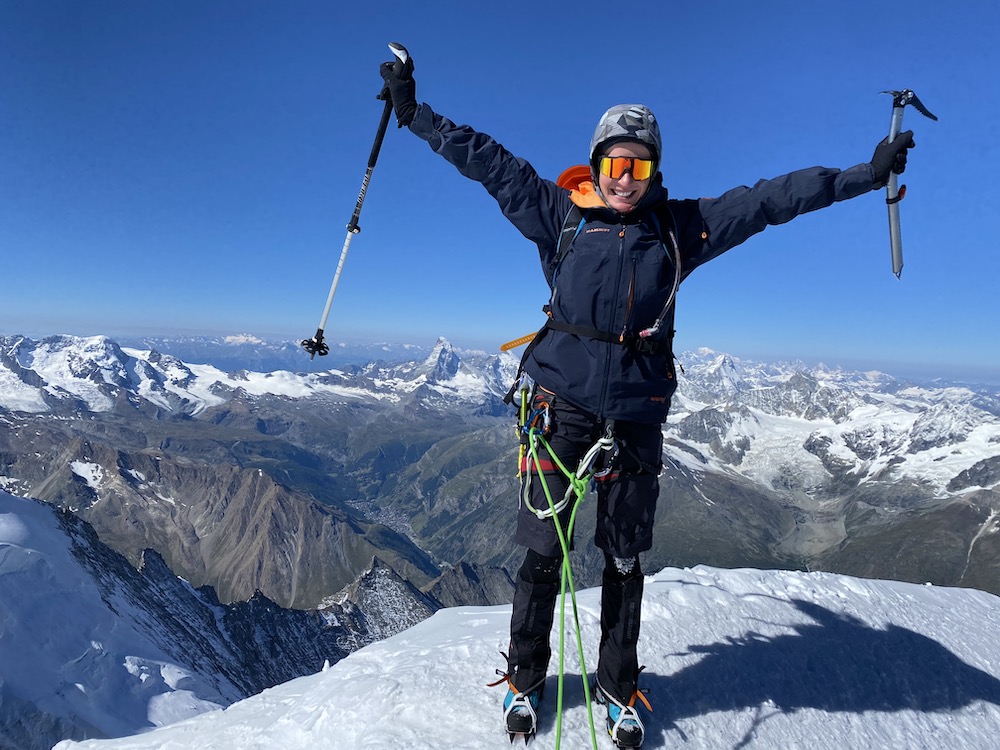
[
  {"x": 667, "y": 229},
  {"x": 664, "y": 219},
  {"x": 575, "y": 219},
  {"x": 572, "y": 224}
]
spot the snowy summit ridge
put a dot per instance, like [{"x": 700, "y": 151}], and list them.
[{"x": 739, "y": 658}]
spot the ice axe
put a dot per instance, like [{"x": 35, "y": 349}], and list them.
[
  {"x": 893, "y": 193},
  {"x": 316, "y": 345}
]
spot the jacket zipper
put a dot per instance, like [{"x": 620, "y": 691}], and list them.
[
  {"x": 608, "y": 346},
  {"x": 628, "y": 303}
]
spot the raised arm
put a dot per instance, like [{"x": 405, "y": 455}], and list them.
[{"x": 534, "y": 205}]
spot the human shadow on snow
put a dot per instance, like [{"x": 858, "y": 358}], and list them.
[{"x": 836, "y": 663}]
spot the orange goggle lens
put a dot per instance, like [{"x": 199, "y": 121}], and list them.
[{"x": 615, "y": 166}]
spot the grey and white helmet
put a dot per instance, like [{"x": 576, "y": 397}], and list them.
[{"x": 626, "y": 122}]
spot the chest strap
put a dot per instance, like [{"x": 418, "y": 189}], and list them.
[{"x": 642, "y": 345}]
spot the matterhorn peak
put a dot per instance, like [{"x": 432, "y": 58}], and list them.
[{"x": 442, "y": 363}]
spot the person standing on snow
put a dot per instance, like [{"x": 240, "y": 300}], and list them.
[{"x": 603, "y": 364}]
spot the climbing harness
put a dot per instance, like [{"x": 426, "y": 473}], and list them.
[{"x": 534, "y": 425}]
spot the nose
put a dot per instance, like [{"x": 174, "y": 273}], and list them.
[{"x": 626, "y": 178}]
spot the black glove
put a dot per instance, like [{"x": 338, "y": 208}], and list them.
[
  {"x": 891, "y": 157},
  {"x": 400, "y": 89}
]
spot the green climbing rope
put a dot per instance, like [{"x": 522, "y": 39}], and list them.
[{"x": 579, "y": 485}]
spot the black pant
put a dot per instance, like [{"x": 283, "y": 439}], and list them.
[{"x": 626, "y": 507}]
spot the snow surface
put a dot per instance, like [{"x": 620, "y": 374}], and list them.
[
  {"x": 19, "y": 396},
  {"x": 734, "y": 659}
]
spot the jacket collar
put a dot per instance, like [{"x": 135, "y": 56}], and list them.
[{"x": 586, "y": 196}]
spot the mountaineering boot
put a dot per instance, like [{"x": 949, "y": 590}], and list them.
[
  {"x": 624, "y": 725},
  {"x": 520, "y": 712}
]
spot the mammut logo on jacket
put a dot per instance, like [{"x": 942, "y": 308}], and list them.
[{"x": 591, "y": 230}]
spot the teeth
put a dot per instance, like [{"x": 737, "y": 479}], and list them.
[{"x": 623, "y": 194}]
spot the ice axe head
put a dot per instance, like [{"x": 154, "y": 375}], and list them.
[{"x": 901, "y": 98}]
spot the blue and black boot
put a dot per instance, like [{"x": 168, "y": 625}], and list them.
[
  {"x": 624, "y": 725},
  {"x": 520, "y": 712}
]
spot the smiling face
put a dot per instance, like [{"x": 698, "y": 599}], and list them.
[{"x": 624, "y": 193}]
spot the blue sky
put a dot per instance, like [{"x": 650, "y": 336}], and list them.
[{"x": 191, "y": 166}]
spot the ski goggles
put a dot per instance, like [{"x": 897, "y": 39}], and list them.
[{"x": 615, "y": 166}]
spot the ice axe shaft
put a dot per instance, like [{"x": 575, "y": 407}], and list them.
[
  {"x": 893, "y": 193},
  {"x": 316, "y": 345}
]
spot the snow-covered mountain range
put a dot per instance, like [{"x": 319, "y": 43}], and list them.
[
  {"x": 249, "y": 352},
  {"x": 96, "y": 375},
  {"x": 760, "y": 420},
  {"x": 883, "y": 478}
]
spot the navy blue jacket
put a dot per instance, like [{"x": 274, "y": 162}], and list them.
[{"x": 617, "y": 274}]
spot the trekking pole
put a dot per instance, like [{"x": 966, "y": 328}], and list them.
[
  {"x": 893, "y": 193},
  {"x": 316, "y": 345}
]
